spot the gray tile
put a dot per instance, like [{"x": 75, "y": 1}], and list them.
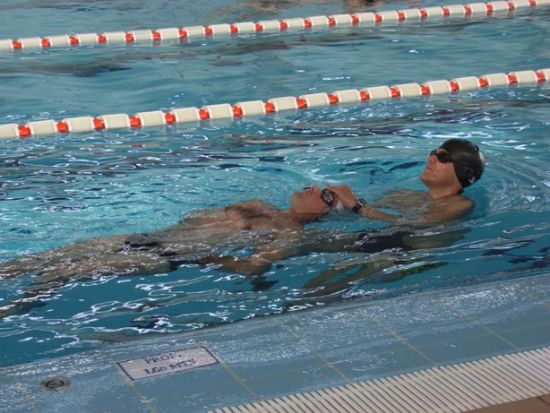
[
  {"x": 524, "y": 326},
  {"x": 366, "y": 366},
  {"x": 422, "y": 312},
  {"x": 193, "y": 391},
  {"x": 6, "y": 378},
  {"x": 376, "y": 350},
  {"x": 265, "y": 347},
  {"x": 509, "y": 313},
  {"x": 509, "y": 303},
  {"x": 514, "y": 316},
  {"x": 440, "y": 328},
  {"x": 448, "y": 331},
  {"x": 302, "y": 379},
  {"x": 536, "y": 284},
  {"x": 337, "y": 330},
  {"x": 474, "y": 344},
  {"x": 273, "y": 356},
  {"x": 529, "y": 337},
  {"x": 14, "y": 397},
  {"x": 470, "y": 322},
  {"x": 457, "y": 305},
  {"x": 95, "y": 385}
]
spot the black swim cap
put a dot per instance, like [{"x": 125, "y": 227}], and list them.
[{"x": 468, "y": 160}]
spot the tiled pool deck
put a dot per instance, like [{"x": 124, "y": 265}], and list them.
[{"x": 270, "y": 357}]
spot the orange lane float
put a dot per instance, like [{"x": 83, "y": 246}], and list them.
[{"x": 280, "y": 104}]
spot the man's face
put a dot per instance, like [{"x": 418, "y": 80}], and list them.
[
  {"x": 310, "y": 204},
  {"x": 439, "y": 170}
]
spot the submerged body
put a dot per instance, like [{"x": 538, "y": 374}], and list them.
[
  {"x": 204, "y": 237},
  {"x": 196, "y": 237},
  {"x": 217, "y": 236}
]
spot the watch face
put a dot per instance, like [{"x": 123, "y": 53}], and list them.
[{"x": 327, "y": 197}]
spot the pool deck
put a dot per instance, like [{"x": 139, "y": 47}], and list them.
[
  {"x": 267, "y": 358},
  {"x": 532, "y": 405}
]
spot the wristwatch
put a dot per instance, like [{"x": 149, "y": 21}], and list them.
[{"x": 360, "y": 203}]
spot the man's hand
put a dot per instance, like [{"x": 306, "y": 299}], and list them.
[{"x": 344, "y": 194}]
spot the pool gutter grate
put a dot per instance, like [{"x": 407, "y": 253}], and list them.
[{"x": 454, "y": 388}]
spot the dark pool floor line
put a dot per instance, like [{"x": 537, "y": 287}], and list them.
[{"x": 274, "y": 356}]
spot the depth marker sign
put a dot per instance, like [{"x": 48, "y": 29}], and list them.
[{"x": 167, "y": 363}]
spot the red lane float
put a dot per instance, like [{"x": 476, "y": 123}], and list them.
[
  {"x": 368, "y": 19},
  {"x": 280, "y": 104}
]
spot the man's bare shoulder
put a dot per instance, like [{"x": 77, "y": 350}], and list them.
[
  {"x": 403, "y": 198},
  {"x": 460, "y": 204},
  {"x": 449, "y": 209},
  {"x": 458, "y": 200},
  {"x": 403, "y": 192}
]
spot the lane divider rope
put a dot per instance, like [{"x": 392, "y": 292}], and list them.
[
  {"x": 367, "y": 19},
  {"x": 275, "y": 105}
]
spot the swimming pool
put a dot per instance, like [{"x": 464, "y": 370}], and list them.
[{"x": 58, "y": 190}]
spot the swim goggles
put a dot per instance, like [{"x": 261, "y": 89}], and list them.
[
  {"x": 327, "y": 197},
  {"x": 442, "y": 156}
]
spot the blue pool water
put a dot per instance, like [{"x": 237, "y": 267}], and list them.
[{"x": 58, "y": 190}]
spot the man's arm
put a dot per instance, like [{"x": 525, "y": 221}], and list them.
[
  {"x": 439, "y": 211},
  {"x": 375, "y": 213},
  {"x": 256, "y": 264},
  {"x": 350, "y": 201},
  {"x": 285, "y": 245}
]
